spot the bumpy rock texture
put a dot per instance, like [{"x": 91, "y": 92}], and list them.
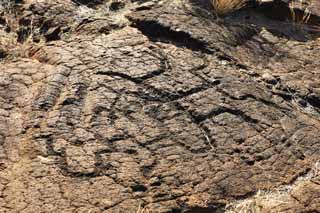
[{"x": 120, "y": 105}]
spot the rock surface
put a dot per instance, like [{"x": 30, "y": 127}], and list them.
[{"x": 118, "y": 106}]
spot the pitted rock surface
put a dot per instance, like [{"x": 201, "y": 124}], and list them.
[{"x": 170, "y": 110}]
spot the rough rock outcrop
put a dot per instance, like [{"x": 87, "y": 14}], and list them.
[{"x": 159, "y": 105}]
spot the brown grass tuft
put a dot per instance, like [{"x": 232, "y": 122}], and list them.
[{"x": 226, "y": 6}]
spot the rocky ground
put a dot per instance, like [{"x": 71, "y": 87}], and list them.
[{"x": 159, "y": 106}]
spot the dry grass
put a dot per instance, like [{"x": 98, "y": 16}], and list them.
[
  {"x": 222, "y": 7},
  {"x": 315, "y": 171},
  {"x": 272, "y": 199},
  {"x": 8, "y": 39},
  {"x": 258, "y": 202},
  {"x": 143, "y": 210},
  {"x": 115, "y": 17},
  {"x": 307, "y": 4},
  {"x": 8, "y": 34},
  {"x": 9, "y": 14},
  {"x": 10, "y": 45}
]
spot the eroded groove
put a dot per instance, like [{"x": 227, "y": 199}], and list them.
[
  {"x": 157, "y": 32},
  {"x": 314, "y": 101},
  {"x": 221, "y": 110},
  {"x": 163, "y": 96},
  {"x": 136, "y": 80},
  {"x": 210, "y": 209},
  {"x": 121, "y": 75},
  {"x": 157, "y": 94},
  {"x": 251, "y": 96}
]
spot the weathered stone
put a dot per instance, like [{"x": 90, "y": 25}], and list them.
[{"x": 156, "y": 105}]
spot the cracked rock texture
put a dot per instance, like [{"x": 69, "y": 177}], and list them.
[{"x": 118, "y": 105}]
